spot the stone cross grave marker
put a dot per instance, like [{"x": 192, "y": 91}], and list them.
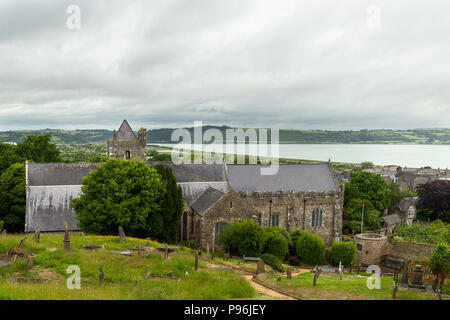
[
  {"x": 260, "y": 266},
  {"x": 122, "y": 237}
]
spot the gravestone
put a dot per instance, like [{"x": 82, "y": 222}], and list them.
[
  {"x": 101, "y": 275},
  {"x": 66, "y": 240},
  {"x": 394, "y": 293},
  {"x": 340, "y": 270},
  {"x": 417, "y": 278},
  {"x": 139, "y": 251},
  {"x": 4, "y": 233},
  {"x": 148, "y": 244},
  {"x": 30, "y": 263},
  {"x": 207, "y": 248},
  {"x": 315, "y": 276},
  {"x": 260, "y": 267},
  {"x": 196, "y": 260},
  {"x": 37, "y": 236},
  {"x": 122, "y": 237},
  {"x": 22, "y": 242},
  {"x": 289, "y": 274},
  {"x": 212, "y": 253},
  {"x": 146, "y": 272}
]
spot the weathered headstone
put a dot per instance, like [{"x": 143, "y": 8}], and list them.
[
  {"x": 37, "y": 236},
  {"x": 340, "y": 270},
  {"x": 4, "y": 233},
  {"x": 289, "y": 274},
  {"x": 140, "y": 251},
  {"x": 260, "y": 267},
  {"x": 101, "y": 275},
  {"x": 207, "y": 248},
  {"x": 66, "y": 240},
  {"x": 166, "y": 252},
  {"x": 30, "y": 263},
  {"x": 122, "y": 237},
  {"x": 148, "y": 244},
  {"x": 196, "y": 260},
  {"x": 22, "y": 242},
  {"x": 394, "y": 293},
  {"x": 417, "y": 278}
]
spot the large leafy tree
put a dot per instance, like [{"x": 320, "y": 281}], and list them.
[
  {"x": 12, "y": 197},
  {"x": 37, "y": 148},
  {"x": 435, "y": 196},
  {"x": 369, "y": 186},
  {"x": 440, "y": 262},
  {"x": 164, "y": 224},
  {"x": 120, "y": 193},
  {"x": 8, "y": 156}
]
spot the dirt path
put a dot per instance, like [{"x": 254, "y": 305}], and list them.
[{"x": 249, "y": 277}]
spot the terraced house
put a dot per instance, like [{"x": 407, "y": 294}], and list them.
[{"x": 299, "y": 196}]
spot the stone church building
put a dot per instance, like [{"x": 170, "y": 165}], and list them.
[{"x": 299, "y": 196}]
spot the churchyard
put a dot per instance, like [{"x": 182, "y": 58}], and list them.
[{"x": 113, "y": 267}]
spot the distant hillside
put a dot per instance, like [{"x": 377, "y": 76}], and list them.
[{"x": 417, "y": 136}]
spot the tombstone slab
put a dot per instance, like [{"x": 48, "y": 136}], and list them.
[
  {"x": 260, "y": 267},
  {"x": 122, "y": 237}
]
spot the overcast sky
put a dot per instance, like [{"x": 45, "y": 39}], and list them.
[{"x": 313, "y": 64}]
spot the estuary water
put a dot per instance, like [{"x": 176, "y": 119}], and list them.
[{"x": 409, "y": 155}]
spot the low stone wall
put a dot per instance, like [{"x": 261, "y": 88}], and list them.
[{"x": 409, "y": 250}]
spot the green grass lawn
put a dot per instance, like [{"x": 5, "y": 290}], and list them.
[
  {"x": 330, "y": 287},
  {"x": 121, "y": 272}
]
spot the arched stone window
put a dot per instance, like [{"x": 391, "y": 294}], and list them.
[
  {"x": 317, "y": 218},
  {"x": 218, "y": 230},
  {"x": 275, "y": 219}
]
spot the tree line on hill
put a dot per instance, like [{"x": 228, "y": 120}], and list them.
[{"x": 163, "y": 135}]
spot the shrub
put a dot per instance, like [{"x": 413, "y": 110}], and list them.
[
  {"x": 293, "y": 261},
  {"x": 273, "y": 261},
  {"x": 343, "y": 252},
  {"x": 245, "y": 237},
  {"x": 13, "y": 197},
  {"x": 190, "y": 244},
  {"x": 1, "y": 225},
  {"x": 275, "y": 243},
  {"x": 311, "y": 249},
  {"x": 294, "y": 236}
]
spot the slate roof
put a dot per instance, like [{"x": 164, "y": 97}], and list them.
[
  {"x": 125, "y": 133},
  {"x": 296, "y": 177},
  {"x": 206, "y": 200},
  {"x": 56, "y": 174},
  {"x": 191, "y": 172},
  {"x": 405, "y": 204},
  {"x": 192, "y": 190},
  {"x": 392, "y": 219}
]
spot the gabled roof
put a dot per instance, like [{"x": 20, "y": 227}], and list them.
[
  {"x": 125, "y": 133},
  {"x": 295, "y": 177},
  {"x": 191, "y": 172},
  {"x": 405, "y": 204},
  {"x": 206, "y": 200},
  {"x": 392, "y": 219},
  {"x": 58, "y": 174}
]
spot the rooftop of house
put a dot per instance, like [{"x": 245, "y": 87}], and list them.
[
  {"x": 125, "y": 133},
  {"x": 391, "y": 219},
  {"x": 209, "y": 197}
]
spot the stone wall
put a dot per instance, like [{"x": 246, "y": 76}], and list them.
[
  {"x": 222, "y": 211},
  {"x": 370, "y": 248},
  {"x": 410, "y": 250},
  {"x": 118, "y": 149},
  {"x": 295, "y": 210}
]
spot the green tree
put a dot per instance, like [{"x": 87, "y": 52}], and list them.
[
  {"x": 369, "y": 186},
  {"x": 276, "y": 243},
  {"x": 367, "y": 165},
  {"x": 164, "y": 224},
  {"x": 440, "y": 262},
  {"x": 120, "y": 193},
  {"x": 8, "y": 156},
  {"x": 37, "y": 148},
  {"x": 13, "y": 197},
  {"x": 311, "y": 249},
  {"x": 246, "y": 238},
  {"x": 435, "y": 196},
  {"x": 343, "y": 252}
]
